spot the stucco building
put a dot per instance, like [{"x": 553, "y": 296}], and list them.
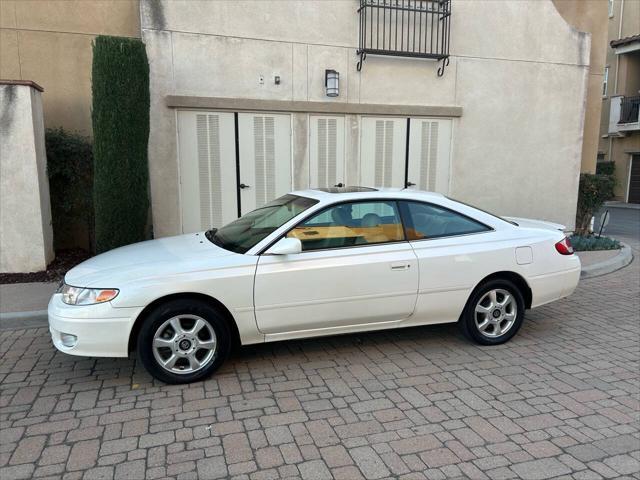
[
  {"x": 49, "y": 42},
  {"x": 241, "y": 111},
  {"x": 590, "y": 16},
  {"x": 620, "y": 128},
  {"x": 239, "y": 100}
]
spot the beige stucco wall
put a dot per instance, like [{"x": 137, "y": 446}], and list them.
[
  {"x": 49, "y": 42},
  {"x": 590, "y": 16},
  {"x": 518, "y": 70},
  {"x": 26, "y": 237}
]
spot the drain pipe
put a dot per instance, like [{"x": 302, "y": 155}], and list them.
[
  {"x": 619, "y": 36},
  {"x": 615, "y": 85}
]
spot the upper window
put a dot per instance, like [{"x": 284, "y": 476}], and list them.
[
  {"x": 245, "y": 232},
  {"x": 610, "y": 8},
  {"x": 350, "y": 225},
  {"x": 605, "y": 81},
  {"x": 431, "y": 221}
]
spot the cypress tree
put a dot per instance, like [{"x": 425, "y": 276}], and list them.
[{"x": 120, "y": 88}]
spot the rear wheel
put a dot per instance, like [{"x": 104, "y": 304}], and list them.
[
  {"x": 183, "y": 341},
  {"x": 494, "y": 313}
]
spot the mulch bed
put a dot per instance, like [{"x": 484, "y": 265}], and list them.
[{"x": 65, "y": 260}]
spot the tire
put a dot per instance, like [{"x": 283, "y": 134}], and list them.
[
  {"x": 191, "y": 336},
  {"x": 485, "y": 321}
]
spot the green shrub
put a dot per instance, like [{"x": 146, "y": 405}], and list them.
[
  {"x": 594, "y": 190},
  {"x": 70, "y": 171},
  {"x": 605, "y": 168},
  {"x": 120, "y": 86},
  {"x": 591, "y": 242}
]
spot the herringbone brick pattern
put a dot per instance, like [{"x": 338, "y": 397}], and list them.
[{"x": 559, "y": 400}]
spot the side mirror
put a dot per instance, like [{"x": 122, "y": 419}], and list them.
[{"x": 286, "y": 246}]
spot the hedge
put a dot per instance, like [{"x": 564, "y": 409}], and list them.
[
  {"x": 70, "y": 171},
  {"x": 605, "y": 168},
  {"x": 592, "y": 242},
  {"x": 120, "y": 87}
]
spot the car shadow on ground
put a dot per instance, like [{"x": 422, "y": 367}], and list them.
[
  {"x": 430, "y": 341},
  {"x": 421, "y": 334}
]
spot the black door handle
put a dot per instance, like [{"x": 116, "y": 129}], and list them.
[
  {"x": 242, "y": 185},
  {"x": 339, "y": 185},
  {"x": 410, "y": 184}
]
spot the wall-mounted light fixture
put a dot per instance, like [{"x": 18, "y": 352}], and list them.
[{"x": 331, "y": 83}]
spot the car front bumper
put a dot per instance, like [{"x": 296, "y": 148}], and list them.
[{"x": 100, "y": 330}]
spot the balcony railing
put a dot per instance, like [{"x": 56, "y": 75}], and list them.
[
  {"x": 405, "y": 28},
  {"x": 629, "y": 108},
  {"x": 623, "y": 114}
]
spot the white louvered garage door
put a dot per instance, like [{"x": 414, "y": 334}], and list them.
[
  {"x": 326, "y": 151},
  {"x": 429, "y": 154},
  {"x": 207, "y": 169},
  {"x": 383, "y": 151},
  {"x": 265, "y": 158}
]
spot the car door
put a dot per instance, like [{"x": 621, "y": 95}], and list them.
[
  {"x": 454, "y": 252},
  {"x": 356, "y": 268}
]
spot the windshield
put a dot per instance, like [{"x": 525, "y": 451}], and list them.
[{"x": 242, "y": 234}]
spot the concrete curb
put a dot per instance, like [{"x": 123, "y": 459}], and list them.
[
  {"x": 18, "y": 320},
  {"x": 624, "y": 258},
  {"x": 38, "y": 318}
]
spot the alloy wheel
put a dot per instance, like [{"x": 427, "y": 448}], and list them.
[
  {"x": 184, "y": 344},
  {"x": 495, "y": 313}
]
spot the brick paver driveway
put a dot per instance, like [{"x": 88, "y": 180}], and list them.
[{"x": 560, "y": 400}]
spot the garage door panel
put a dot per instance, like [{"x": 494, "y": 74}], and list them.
[
  {"x": 207, "y": 169},
  {"x": 429, "y": 154},
  {"x": 383, "y": 151},
  {"x": 265, "y": 158},
  {"x": 326, "y": 151},
  {"x": 634, "y": 180}
]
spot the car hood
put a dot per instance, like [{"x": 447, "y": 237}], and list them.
[
  {"x": 162, "y": 256},
  {"x": 529, "y": 223}
]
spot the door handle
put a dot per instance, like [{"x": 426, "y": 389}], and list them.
[
  {"x": 400, "y": 266},
  {"x": 242, "y": 185},
  {"x": 339, "y": 185},
  {"x": 410, "y": 184}
]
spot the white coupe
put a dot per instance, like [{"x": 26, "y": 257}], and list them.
[{"x": 311, "y": 263}]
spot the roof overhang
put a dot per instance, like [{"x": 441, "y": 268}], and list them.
[{"x": 626, "y": 45}]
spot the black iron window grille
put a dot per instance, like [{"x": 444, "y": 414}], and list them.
[
  {"x": 629, "y": 109},
  {"x": 405, "y": 28}
]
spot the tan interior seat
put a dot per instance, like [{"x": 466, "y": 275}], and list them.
[{"x": 372, "y": 230}]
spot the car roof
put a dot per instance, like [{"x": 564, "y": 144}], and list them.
[{"x": 339, "y": 194}]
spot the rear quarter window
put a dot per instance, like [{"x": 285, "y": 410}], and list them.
[{"x": 425, "y": 220}]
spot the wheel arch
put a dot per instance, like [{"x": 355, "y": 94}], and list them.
[
  {"x": 515, "y": 278},
  {"x": 215, "y": 303}
]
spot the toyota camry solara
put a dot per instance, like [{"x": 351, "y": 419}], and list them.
[{"x": 311, "y": 263}]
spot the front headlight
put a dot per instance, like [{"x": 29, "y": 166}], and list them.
[{"x": 87, "y": 296}]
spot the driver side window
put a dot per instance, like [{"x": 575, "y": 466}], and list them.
[{"x": 350, "y": 225}]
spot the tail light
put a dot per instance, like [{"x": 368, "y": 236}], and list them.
[{"x": 564, "y": 247}]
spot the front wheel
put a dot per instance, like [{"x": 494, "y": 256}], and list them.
[
  {"x": 494, "y": 313},
  {"x": 183, "y": 341}
]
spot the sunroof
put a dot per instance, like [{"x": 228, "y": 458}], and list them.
[{"x": 347, "y": 189}]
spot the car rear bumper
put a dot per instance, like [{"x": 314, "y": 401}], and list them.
[
  {"x": 99, "y": 330},
  {"x": 554, "y": 286}
]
